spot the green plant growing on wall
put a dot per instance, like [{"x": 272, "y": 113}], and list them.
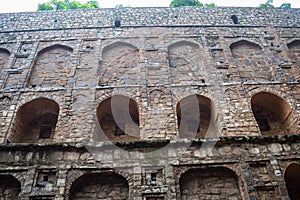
[
  {"x": 66, "y": 4},
  {"x": 269, "y": 4},
  {"x": 210, "y": 4},
  {"x": 177, "y": 3}
]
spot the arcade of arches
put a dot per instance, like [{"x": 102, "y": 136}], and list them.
[{"x": 187, "y": 103}]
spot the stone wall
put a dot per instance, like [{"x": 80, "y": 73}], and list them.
[{"x": 165, "y": 87}]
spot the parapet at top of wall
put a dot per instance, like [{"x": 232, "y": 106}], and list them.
[{"x": 167, "y": 16}]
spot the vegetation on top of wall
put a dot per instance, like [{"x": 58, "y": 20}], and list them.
[
  {"x": 66, "y": 4},
  {"x": 269, "y": 4},
  {"x": 177, "y": 3}
]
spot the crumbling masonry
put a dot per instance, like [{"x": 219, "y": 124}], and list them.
[{"x": 150, "y": 104}]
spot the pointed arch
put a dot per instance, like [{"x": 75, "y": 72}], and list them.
[
  {"x": 36, "y": 121},
  {"x": 55, "y": 46},
  {"x": 118, "y": 118},
  {"x": 115, "y": 45},
  {"x": 104, "y": 185},
  {"x": 244, "y": 44},
  {"x": 292, "y": 180},
  {"x": 272, "y": 113},
  {"x": 194, "y": 115},
  {"x": 120, "y": 65},
  {"x": 52, "y": 67}
]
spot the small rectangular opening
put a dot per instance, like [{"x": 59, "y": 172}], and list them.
[
  {"x": 45, "y": 131},
  {"x": 235, "y": 19},
  {"x": 153, "y": 176},
  {"x": 117, "y": 23},
  {"x": 45, "y": 178},
  {"x": 263, "y": 124},
  {"x": 119, "y": 129}
]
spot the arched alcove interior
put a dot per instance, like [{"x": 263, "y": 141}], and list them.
[
  {"x": 272, "y": 113},
  {"x": 209, "y": 183},
  {"x": 36, "y": 121},
  {"x": 118, "y": 118},
  {"x": 52, "y": 67},
  {"x": 106, "y": 185},
  {"x": 194, "y": 114},
  {"x": 10, "y": 187},
  {"x": 292, "y": 180}
]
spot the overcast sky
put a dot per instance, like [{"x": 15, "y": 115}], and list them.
[{"x": 31, "y": 5}]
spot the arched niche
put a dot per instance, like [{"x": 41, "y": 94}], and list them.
[
  {"x": 185, "y": 63},
  {"x": 208, "y": 183},
  {"x": 36, "y": 121},
  {"x": 272, "y": 113},
  {"x": 292, "y": 180},
  {"x": 4, "y": 54},
  {"x": 118, "y": 118},
  {"x": 120, "y": 65},
  {"x": 194, "y": 115},
  {"x": 10, "y": 187},
  {"x": 294, "y": 48},
  {"x": 250, "y": 61},
  {"x": 52, "y": 67},
  {"x": 105, "y": 185}
]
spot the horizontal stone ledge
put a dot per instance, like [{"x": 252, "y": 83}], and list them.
[{"x": 220, "y": 141}]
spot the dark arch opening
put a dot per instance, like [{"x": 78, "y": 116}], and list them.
[
  {"x": 106, "y": 185},
  {"x": 194, "y": 114},
  {"x": 272, "y": 113},
  {"x": 10, "y": 187},
  {"x": 208, "y": 183},
  {"x": 118, "y": 117},
  {"x": 36, "y": 121},
  {"x": 292, "y": 180}
]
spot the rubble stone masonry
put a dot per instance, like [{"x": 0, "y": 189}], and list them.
[{"x": 150, "y": 104}]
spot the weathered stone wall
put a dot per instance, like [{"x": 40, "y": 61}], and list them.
[
  {"x": 244, "y": 76},
  {"x": 236, "y": 168}
]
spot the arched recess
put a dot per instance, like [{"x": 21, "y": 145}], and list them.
[
  {"x": 52, "y": 67},
  {"x": 118, "y": 118},
  {"x": 36, "y": 121},
  {"x": 4, "y": 54},
  {"x": 250, "y": 61},
  {"x": 294, "y": 48},
  {"x": 194, "y": 115},
  {"x": 185, "y": 63},
  {"x": 292, "y": 180},
  {"x": 105, "y": 185},
  {"x": 272, "y": 113},
  {"x": 120, "y": 65},
  {"x": 209, "y": 183},
  {"x": 10, "y": 187}
]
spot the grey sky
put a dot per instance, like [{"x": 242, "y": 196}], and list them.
[{"x": 31, "y": 5}]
